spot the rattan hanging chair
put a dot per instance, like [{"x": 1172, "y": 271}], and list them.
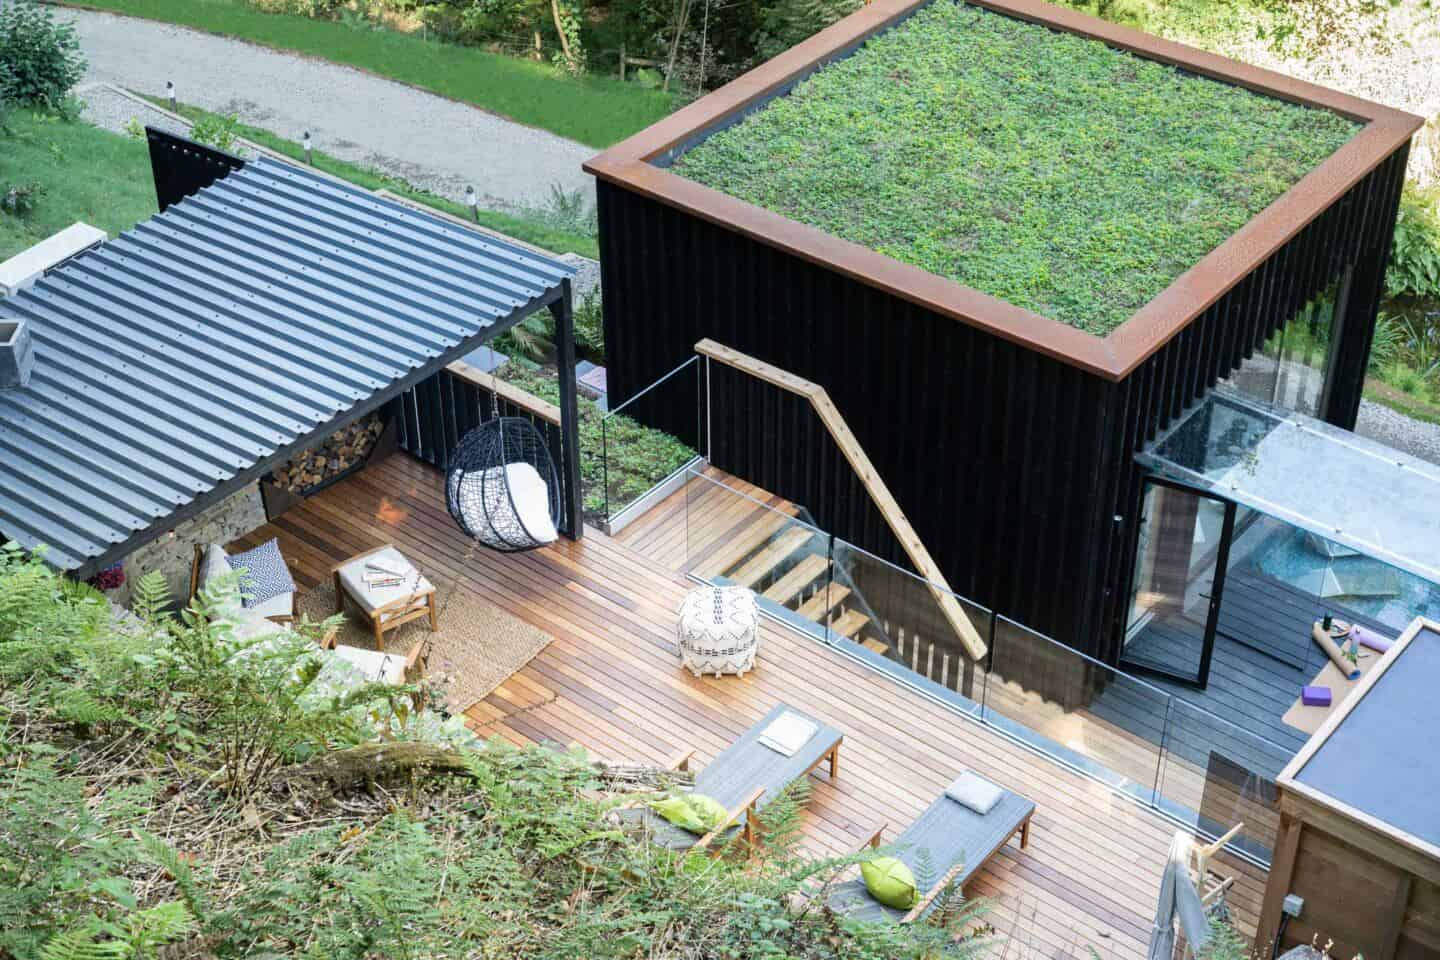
[{"x": 502, "y": 487}]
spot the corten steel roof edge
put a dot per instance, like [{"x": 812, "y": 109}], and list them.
[{"x": 629, "y": 164}]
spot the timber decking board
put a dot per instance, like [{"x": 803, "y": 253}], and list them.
[
  {"x": 711, "y": 522},
  {"x": 609, "y": 681},
  {"x": 1248, "y": 684}
]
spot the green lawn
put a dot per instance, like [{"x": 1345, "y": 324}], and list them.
[
  {"x": 88, "y": 174},
  {"x": 529, "y": 230},
  {"x": 1048, "y": 170},
  {"x": 598, "y": 111}
]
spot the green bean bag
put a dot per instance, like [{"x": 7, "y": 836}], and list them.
[
  {"x": 890, "y": 882},
  {"x": 694, "y": 812}
]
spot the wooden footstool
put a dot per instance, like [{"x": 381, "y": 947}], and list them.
[{"x": 387, "y": 607}]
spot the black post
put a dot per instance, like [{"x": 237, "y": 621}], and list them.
[{"x": 564, "y": 313}]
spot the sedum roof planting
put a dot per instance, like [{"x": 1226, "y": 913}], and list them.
[{"x": 1043, "y": 168}]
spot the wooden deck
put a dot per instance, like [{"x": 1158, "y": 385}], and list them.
[
  {"x": 610, "y": 682},
  {"x": 712, "y": 521}
]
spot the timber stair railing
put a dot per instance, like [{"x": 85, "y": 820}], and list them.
[{"x": 879, "y": 493}]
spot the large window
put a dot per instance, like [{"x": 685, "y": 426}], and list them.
[{"x": 1289, "y": 370}]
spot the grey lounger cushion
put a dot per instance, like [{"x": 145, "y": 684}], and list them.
[
  {"x": 745, "y": 765},
  {"x": 945, "y": 834}
]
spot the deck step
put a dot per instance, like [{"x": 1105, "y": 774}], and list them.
[
  {"x": 849, "y": 623},
  {"x": 823, "y": 602},
  {"x": 772, "y": 555},
  {"x": 747, "y": 540},
  {"x": 797, "y": 578},
  {"x": 878, "y": 646}
]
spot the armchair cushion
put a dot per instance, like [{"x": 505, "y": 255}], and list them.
[
  {"x": 263, "y": 574},
  {"x": 377, "y": 666},
  {"x": 214, "y": 565}
]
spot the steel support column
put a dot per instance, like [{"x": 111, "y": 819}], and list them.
[{"x": 564, "y": 313}]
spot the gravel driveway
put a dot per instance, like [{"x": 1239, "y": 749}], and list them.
[{"x": 430, "y": 141}]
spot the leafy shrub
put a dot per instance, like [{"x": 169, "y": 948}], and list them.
[
  {"x": 1414, "y": 269},
  {"x": 590, "y": 328},
  {"x": 7, "y": 80},
  {"x": 19, "y": 199},
  {"x": 43, "y": 56},
  {"x": 1386, "y": 343},
  {"x": 788, "y": 22},
  {"x": 215, "y": 130},
  {"x": 316, "y": 9}
]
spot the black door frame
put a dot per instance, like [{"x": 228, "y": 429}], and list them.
[{"x": 1217, "y": 584}]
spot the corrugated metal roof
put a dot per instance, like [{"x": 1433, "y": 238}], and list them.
[{"x": 240, "y": 324}]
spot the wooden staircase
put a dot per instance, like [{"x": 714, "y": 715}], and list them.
[
  {"x": 783, "y": 559},
  {"x": 773, "y": 559}
]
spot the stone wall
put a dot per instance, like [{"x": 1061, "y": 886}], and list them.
[{"x": 171, "y": 555}]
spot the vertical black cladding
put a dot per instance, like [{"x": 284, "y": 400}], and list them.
[
  {"x": 1016, "y": 470},
  {"x": 181, "y": 167}
]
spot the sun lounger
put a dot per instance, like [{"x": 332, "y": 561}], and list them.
[
  {"x": 746, "y": 777},
  {"x": 951, "y": 842}
]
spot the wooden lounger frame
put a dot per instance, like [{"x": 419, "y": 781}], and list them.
[{"x": 1023, "y": 829}]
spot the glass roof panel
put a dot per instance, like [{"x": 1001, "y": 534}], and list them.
[{"x": 1320, "y": 478}]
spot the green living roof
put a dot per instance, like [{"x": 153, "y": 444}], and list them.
[{"x": 1043, "y": 168}]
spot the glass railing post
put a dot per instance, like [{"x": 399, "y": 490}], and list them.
[
  {"x": 605, "y": 468},
  {"x": 1160, "y": 754},
  {"x": 829, "y": 584},
  {"x": 990, "y": 663}
]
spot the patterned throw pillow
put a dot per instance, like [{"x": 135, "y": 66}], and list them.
[{"x": 263, "y": 573}]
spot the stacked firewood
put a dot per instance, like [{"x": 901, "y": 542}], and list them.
[{"x": 334, "y": 455}]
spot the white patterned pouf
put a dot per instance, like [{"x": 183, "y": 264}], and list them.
[{"x": 719, "y": 630}]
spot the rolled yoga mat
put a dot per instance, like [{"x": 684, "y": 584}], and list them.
[
  {"x": 1322, "y": 639},
  {"x": 1371, "y": 639}
]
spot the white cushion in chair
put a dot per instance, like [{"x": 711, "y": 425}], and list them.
[
  {"x": 277, "y": 606},
  {"x": 213, "y": 564},
  {"x": 487, "y": 510},
  {"x": 377, "y": 666}
]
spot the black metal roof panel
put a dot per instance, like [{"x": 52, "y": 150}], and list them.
[{"x": 186, "y": 356}]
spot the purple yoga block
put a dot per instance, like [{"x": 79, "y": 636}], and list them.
[{"x": 1315, "y": 696}]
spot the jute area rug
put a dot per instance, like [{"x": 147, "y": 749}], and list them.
[{"x": 477, "y": 647}]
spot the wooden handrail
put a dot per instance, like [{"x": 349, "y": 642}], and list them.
[
  {"x": 865, "y": 470},
  {"x": 508, "y": 392}
]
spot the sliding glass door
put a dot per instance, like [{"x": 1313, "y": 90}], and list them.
[{"x": 1184, "y": 543}]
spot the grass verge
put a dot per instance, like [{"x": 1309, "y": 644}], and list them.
[
  {"x": 598, "y": 111},
  {"x": 532, "y": 231},
  {"x": 86, "y": 174}
]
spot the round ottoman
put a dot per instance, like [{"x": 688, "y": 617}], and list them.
[{"x": 719, "y": 630}]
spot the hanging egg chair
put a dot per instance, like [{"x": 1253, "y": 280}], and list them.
[{"x": 502, "y": 487}]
